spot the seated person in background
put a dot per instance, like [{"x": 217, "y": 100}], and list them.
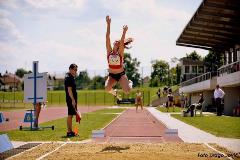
[
  {"x": 170, "y": 101},
  {"x": 165, "y": 90},
  {"x": 196, "y": 105},
  {"x": 200, "y": 101},
  {"x": 182, "y": 100},
  {"x": 159, "y": 93}
]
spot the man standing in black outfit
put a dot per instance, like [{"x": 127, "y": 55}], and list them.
[
  {"x": 159, "y": 93},
  {"x": 71, "y": 96},
  {"x": 218, "y": 95}
]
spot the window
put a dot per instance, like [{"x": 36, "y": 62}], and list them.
[
  {"x": 230, "y": 57},
  {"x": 238, "y": 55},
  {"x": 200, "y": 69},
  {"x": 227, "y": 59},
  {"x": 235, "y": 56},
  {"x": 194, "y": 69},
  {"x": 186, "y": 69}
]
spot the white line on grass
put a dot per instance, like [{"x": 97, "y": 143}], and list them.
[
  {"x": 218, "y": 151},
  {"x": 114, "y": 120},
  {"x": 45, "y": 155}
]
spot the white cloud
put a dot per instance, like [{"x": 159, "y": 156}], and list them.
[
  {"x": 9, "y": 3},
  {"x": 45, "y": 9},
  {"x": 44, "y": 4},
  {"x": 92, "y": 33},
  {"x": 8, "y": 30},
  {"x": 125, "y": 6},
  {"x": 52, "y": 56},
  {"x": 149, "y": 9},
  {"x": 60, "y": 33},
  {"x": 154, "y": 27},
  {"x": 7, "y": 62},
  {"x": 4, "y": 13}
]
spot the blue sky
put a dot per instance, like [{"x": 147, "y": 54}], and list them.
[{"x": 60, "y": 32}]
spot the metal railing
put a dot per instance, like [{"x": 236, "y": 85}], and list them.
[
  {"x": 226, "y": 69},
  {"x": 229, "y": 68},
  {"x": 188, "y": 76},
  {"x": 203, "y": 77}
]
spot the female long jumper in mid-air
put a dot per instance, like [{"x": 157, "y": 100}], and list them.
[{"x": 115, "y": 57}]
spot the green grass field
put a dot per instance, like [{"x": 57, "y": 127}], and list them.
[
  {"x": 90, "y": 121},
  {"x": 223, "y": 126},
  {"x": 85, "y": 98},
  {"x": 164, "y": 109}
]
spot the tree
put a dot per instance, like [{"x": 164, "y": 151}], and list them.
[
  {"x": 20, "y": 72},
  {"x": 177, "y": 72},
  {"x": 159, "y": 76},
  {"x": 131, "y": 69},
  {"x": 98, "y": 82},
  {"x": 173, "y": 75},
  {"x": 213, "y": 61},
  {"x": 83, "y": 80},
  {"x": 194, "y": 56}
]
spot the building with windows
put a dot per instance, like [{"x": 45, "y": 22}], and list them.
[
  {"x": 215, "y": 26},
  {"x": 190, "y": 68}
]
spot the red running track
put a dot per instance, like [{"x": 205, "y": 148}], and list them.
[{"x": 136, "y": 127}]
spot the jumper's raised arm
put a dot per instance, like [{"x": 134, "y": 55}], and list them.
[
  {"x": 121, "y": 48},
  {"x": 108, "y": 42},
  {"x": 115, "y": 57}
]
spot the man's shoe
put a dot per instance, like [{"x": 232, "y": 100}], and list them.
[{"x": 70, "y": 134}]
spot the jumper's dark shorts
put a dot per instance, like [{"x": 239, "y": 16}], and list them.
[{"x": 116, "y": 76}]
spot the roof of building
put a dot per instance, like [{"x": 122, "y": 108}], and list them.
[
  {"x": 10, "y": 78},
  {"x": 59, "y": 77},
  {"x": 214, "y": 26}
]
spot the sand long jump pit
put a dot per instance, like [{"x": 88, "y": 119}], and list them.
[{"x": 92, "y": 151}]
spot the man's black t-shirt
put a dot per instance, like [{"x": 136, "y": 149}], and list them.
[{"x": 70, "y": 82}]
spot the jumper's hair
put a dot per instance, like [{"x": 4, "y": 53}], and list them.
[{"x": 127, "y": 42}]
